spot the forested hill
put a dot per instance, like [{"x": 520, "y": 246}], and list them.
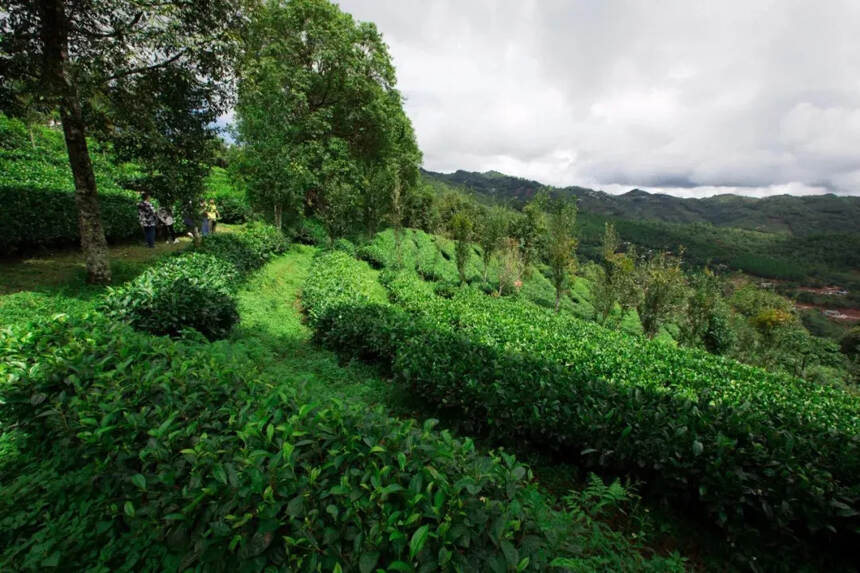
[{"x": 798, "y": 215}]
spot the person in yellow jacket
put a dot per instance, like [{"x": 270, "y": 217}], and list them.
[{"x": 212, "y": 214}]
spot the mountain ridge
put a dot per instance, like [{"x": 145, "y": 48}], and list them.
[{"x": 798, "y": 215}]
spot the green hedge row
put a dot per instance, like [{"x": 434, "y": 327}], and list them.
[
  {"x": 32, "y": 216},
  {"x": 248, "y": 249},
  {"x": 431, "y": 256},
  {"x": 195, "y": 290},
  {"x": 37, "y": 203},
  {"x": 754, "y": 450},
  {"x": 335, "y": 279},
  {"x": 134, "y": 453}
]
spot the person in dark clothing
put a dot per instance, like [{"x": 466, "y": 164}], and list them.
[
  {"x": 148, "y": 220},
  {"x": 188, "y": 219},
  {"x": 204, "y": 219},
  {"x": 165, "y": 217}
]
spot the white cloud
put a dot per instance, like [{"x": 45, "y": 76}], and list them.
[{"x": 753, "y": 97}]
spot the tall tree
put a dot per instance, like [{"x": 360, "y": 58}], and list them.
[
  {"x": 561, "y": 246},
  {"x": 492, "y": 229},
  {"x": 530, "y": 229},
  {"x": 461, "y": 231},
  {"x": 511, "y": 265},
  {"x": 164, "y": 119},
  {"x": 318, "y": 110},
  {"x": 663, "y": 288},
  {"x": 64, "y": 50},
  {"x": 706, "y": 321},
  {"x": 614, "y": 279}
]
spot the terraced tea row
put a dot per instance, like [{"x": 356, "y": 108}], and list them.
[{"x": 754, "y": 450}]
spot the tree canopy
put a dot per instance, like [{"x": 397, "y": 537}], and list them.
[
  {"x": 68, "y": 55},
  {"x": 320, "y": 118}
]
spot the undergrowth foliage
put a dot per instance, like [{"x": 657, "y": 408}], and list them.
[
  {"x": 758, "y": 452},
  {"x": 146, "y": 454}
]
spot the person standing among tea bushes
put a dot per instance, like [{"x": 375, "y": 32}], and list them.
[
  {"x": 204, "y": 219},
  {"x": 148, "y": 220},
  {"x": 212, "y": 215},
  {"x": 165, "y": 216}
]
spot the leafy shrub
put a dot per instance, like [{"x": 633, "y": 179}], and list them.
[
  {"x": 264, "y": 239},
  {"x": 231, "y": 248},
  {"x": 189, "y": 291},
  {"x": 312, "y": 232},
  {"x": 446, "y": 289},
  {"x": 373, "y": 255},
  {"x": 195, "y": 290},
  {"x": 370, "y": 332},
  {"x": 231, "y": 208},
  {"x": 345, "y": 245},
  {"x": 755, "y": 450},
  {"x": 44, "y": 217},
  {"x": 134, "y": 453}
]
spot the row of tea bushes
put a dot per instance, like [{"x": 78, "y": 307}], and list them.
[
  {"x": 432, "y": 258},
  {"x": 37, "y": 189},
  {"x": 755, "y": 450}
]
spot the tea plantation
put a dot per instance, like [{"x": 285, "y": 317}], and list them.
[{"x": 246, "y": 448}]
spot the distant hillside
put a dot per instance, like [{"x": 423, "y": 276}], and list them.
[{"x": 783, "y": 213}]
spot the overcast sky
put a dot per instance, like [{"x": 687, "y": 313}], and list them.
[{"x": 686, "y": 97}]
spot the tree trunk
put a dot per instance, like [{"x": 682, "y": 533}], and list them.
[
  {"x": 557, "y": 299},
  {"x": 59, "y": 77},
  {"x": 279, "y": 215}
]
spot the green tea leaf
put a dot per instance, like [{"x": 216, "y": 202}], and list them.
[{"x": 419, "y": 538}]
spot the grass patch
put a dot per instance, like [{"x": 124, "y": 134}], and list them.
[{"x": 272, "y": 330}]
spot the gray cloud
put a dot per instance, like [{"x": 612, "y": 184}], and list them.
[{"x": 689, "y": 98}]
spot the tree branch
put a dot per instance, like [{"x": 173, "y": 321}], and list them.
[
  {"x": 144, "y": 69},
  {"x": 115, "y": 32}
]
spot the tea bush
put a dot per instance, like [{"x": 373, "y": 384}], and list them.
[
  {"x": 432, "y": 257},
  {"x": 44, "y": 217},
  {"x": 195, "y": 290},
  {"x": 755, "y": 450},
  {"x": 248, "y": 249},
  {"x": 345, "y": 245},
  {"x": 419, "y": 251},
  {"x": 134, "y": 453},
  {"x": 373, "y": 255},
  {"x": 337, "y": 279},
  {"x": 189, "y": 291}
]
